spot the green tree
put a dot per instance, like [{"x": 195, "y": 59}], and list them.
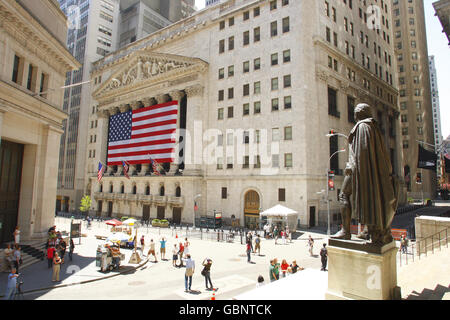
[{"x": 86, "y": 202}]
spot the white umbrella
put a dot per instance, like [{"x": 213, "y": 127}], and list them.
[
  {"x": 119, "y": 236},
  {"x": 279, "y": 211},
  {"x": 129, "y": 222}
]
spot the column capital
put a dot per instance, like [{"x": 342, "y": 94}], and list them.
[
  {"x": 177, "y": 95},
  {"x": 135, "y": 105},
  {"x": 161, "y": 98},
  {"x": 124, "y": 108},
  {"x": 196, "y": 90},
  {"x": 148, "y": 101},
  {"x": 114, "y": 110}
]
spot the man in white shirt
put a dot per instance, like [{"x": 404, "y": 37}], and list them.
[{"x": 190, "y": 268}]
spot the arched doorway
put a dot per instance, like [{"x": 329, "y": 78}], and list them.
[{"x": 251, "y": 209}]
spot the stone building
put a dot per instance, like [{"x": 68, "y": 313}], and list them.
[
  {"x": 442, "y": 8},
  {"x": 259, "y": 86},
  {"x": 415, "y": 94},
  {"x": 33, "y": 64}
]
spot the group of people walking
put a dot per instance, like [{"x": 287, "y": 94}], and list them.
[{"x": 276, "y": 232}]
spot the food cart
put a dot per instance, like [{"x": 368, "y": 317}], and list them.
[{"x": 105, "y": 258}]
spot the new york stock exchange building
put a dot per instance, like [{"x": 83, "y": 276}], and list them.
[{"x": 234, "y": 103}]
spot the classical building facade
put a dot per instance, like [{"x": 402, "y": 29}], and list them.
[
  {"x": 259, "y": 85},
  {"x": 442, "y": 9},
  {"x": 33, "y": 65},
  {"x": 415, "y": 94}
]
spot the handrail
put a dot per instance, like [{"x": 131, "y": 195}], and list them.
[{"x": 424, "y": 248}]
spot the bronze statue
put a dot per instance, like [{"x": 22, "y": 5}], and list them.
[{"x": 370, "y": 191}]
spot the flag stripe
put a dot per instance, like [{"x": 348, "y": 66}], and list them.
[{"x": 147, "y": 131}]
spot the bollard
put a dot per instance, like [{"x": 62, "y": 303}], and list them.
[{"x": 218, "y": 235}]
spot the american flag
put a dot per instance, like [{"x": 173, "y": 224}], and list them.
[
  {"x": 155, "y": 166},
  {"x": 126, "y": 167},
  {"x": 101, "y": 169},
  {"x": 134, "y": 135}
]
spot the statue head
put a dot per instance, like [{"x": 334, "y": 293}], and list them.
[{"x": 363, "y": 111}]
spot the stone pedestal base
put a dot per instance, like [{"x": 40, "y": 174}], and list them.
[
  {"x": 359, "y": 271},
  {"x": 135, "y": 258}
]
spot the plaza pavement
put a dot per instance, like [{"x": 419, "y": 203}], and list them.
[{"x": 230, "y": 272}]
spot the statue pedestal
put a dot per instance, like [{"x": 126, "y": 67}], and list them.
[{"x": 360, "y": 271}]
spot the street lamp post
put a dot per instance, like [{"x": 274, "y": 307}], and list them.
[
  {"x": 327, "y": 190},
  {"x": 197, "y": 196}
]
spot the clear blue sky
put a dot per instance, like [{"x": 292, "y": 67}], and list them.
[{"x": 437, "y": 46}]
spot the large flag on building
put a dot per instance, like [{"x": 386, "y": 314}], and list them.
[
  {"x": 134, "y": 135},
  {"x": 427, "y": 159},
  {"x": 101, "y": 169}
]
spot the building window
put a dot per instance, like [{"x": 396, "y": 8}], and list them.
[
  {"x": 230, "y": 112},
  {"x": 17, "y": 70},
  {"x": 230, "y": 43},
  {"x": 256, "y": 34},
  {"x": 246, "y": 90},
  {"x": 288, "y": 102},
  {"x": 256, "y": 12},
  {"x": 257, "y": 64},
  {"x": 230, "y": 71},
  {"x": 246, "y": 109},
  {"x": 246, "y": 38},
  {"x": 351, "y": 109},
  {"x": 230, "y": 93},
  {"x": 246, "y": 66},
  {"x": 273, "y": 29},
  {"x": 281, "y": 194},
  {"x": 332, "y": 103},
  {"x": 287, "y": 133},
  {"x": 221, "y": 95},
  {"x": 275, "y": 105},
  {"x": 273, "y": 4},
  {"x": 222, "y": 25},
  {"x": 221, "y": 46},
  {"x": 220, "y": 114},
  {"x": 275, "y": 161},
  {"x": 287, "y": 81},
  {"x": 257, "y": 107},
  {"x": 274, "y": 59},
  {"x": 246, "y": 15},
  {"x": 288, "y": 160},
  {"x": 224, "y": 193},
  {"x": 257, "y": 87},
  {"x": 285, "y": 23},
  {"x": 286, "y": 56},
  {"x": 274, "y": 84},
  {"x": 231, "y": 22},
  {"x": 221, "y": 73},
  {"x": 334, "y": 161}
]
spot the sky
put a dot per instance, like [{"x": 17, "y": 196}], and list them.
[{"x": 437, "y": 46}]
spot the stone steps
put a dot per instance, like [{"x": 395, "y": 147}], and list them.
[{"x": 427, "y": 278}]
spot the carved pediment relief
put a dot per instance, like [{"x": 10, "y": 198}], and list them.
[{"x": 149, "y": 67}]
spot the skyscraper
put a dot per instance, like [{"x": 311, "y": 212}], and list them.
[
  {"x": 415, "y": 94},
  {"x": 436, "y": 109}
]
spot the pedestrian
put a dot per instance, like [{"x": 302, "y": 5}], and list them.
[
  {"x": 143, "y": 244},
  {"x": 275, "y": 234},
  {"x": 311, "y": 245},
  {"x": 12, "y": 284},
  {"x": 180, "y": 253},
  {"x": 17, "y": 258},
  {"x": 324, "y": 257},
  {"x": 404, "y": 244},
  {"x": 273, "y": 270},
  {"x": 260, "y": 281},
  {"x": 295, "y": 267},
  {"x": 163, "y": 248},
  {"x": 289, "y": 272},
  {"x": 283, "y": 236},
  {"x": 249, "y": 250},
  {"x": 62, "y": 249},
  {"x": 266, "y": 230},
  {"x": 71, "y": 249},
  {"x": 50, "y": 254},
  {"x": 206, "y": 272},
  {"x": 190, "y": 269},
  {"x": 284, "y": 267},
  {"x": 56, "y": 267},
  {"x": 288, "y": 234},
  {"x": 174, "y": 255},
  {"x": 258, "y": 244},
  {"x": 186, "y": 247},
  {"x": 16, "y": 236},
  {"x": 250, "y": 239},
  {"x": 8, "y": 257},
  {"x": 152, "y": 250}
]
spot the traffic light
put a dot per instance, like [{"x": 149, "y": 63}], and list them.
[
  {"x": 331, "y": 180},
  {"x": 418, "y": 178}
]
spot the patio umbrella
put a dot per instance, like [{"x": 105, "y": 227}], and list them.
[
  {"x": 129, "y": 222},
  {"x": 114, "y": 222},
  {"x": 119, "y": 237}
]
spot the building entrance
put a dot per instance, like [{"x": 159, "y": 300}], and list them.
[
  {"x": 11, "y": 155},
  {"x": 251, "y": 210}
]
